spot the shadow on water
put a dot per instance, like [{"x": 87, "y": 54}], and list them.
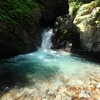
[
  {"x": 86, "y": 58},
  {"x": 21, "y": 74}
]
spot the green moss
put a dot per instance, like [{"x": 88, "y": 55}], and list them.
[
  {"x": 76, "y": 4},
  {"x": 14, "y": 11}
]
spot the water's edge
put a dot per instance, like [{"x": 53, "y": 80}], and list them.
[{"x": 46, "y": 70}]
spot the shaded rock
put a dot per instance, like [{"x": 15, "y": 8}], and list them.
[
  {"x": 75, "y": 98},
  {"x": 65, "y": 33},
  {"x": 52, "y": 96},
  {"x": 23, "y": 38},
  {"x": 81, "y": 28},
  {"x": 53, "y": 9},
  {"x": 26, "y": 37}
]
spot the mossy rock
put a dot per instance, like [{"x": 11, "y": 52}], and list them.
[
  {"x": 20, "y": 38},
  {"x": 87, "y": 22}
]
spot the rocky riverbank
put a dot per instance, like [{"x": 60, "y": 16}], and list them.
[{"x": 60, "y": 87}]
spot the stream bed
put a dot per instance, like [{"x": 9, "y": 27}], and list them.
[{"x": 49, "y": 75}]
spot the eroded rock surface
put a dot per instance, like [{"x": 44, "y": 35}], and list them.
[
  {"x": 81, "y": 28},
  {"x": 87, "y": 21}
]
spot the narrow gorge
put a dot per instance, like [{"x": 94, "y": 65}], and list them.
[{"x": 50, "y": 50}]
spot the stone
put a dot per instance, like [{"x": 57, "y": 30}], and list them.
[
  {"x": 83, "y": 98},
  {"x": 62, "y": 89},
  {"x": 18, "y": 39},
  {"x": 96, "y": 95},
  {"x": 69, "y": 93},
  {"x": 91, "y": 99},
  {"x": 87, "y": 28},
  {"x": 52, "y": 96},
  {"x": 75, "y": 98},
  {"x": 38, "y": 98},
  {"x": 76, "y": 94},
  {"x": 97, "y": 79},
  {"x": 98, "y": 85}
]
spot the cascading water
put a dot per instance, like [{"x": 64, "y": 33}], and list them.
[
  {"x": 46, "y": 39},
  {"x": 49, "y": 67}
]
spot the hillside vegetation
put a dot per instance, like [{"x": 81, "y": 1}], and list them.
[{"x": 14, "y": 10}]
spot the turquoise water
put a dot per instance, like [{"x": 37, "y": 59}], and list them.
[{"x": 44, "y": 65}]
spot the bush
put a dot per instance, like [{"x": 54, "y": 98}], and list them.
[{"x": 14, "y": 11}]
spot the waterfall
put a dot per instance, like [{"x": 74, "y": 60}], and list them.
[
  {"x": 45, "y": 69},
  {"x": 46, "y": 39}
]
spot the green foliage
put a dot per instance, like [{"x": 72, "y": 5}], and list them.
[
  {"x": 74, "y": 6},
  {"x": 15, "y": 10}
]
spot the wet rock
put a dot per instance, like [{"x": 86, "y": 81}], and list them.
[
  {"x": 96, "y": 95},
  {"x": 44, "y": 99},
  {"x": 58, "y": 97},
  {"x": 91, "y": 99},
  {"x": 98, "y": 85},
  {"x": 8, "y": 96},
  {"x": 83, "y": 98},
  {"x": 62, "y": 89},
  {"x": 63, "y": 32},
  {"x": 38, "y": 98},
  {"x": 22, "y": 38},
  {"x": 75, "y": 98},
  {"x": 72, "y": 88},
  {"x": 97, "y": 79},
  {"x": 76, "y": 94},
  {"x": 52, "y": 96}
]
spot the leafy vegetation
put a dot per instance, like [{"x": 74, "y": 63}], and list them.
[
  {"x": 75, "y": 4},
  {"x": 14, "y": 11}
]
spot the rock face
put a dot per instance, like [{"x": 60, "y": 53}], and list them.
[
  {"x": 87, "y": 21},
  {"x": 23, "y": 38},
  {"x": 65, "y": 33},
  {"x": 81, "y": 28},
  {"x": 26, "y": 37}
]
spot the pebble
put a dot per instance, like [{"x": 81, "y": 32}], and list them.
[
  {"x": 82, "y": 98},
  {"x": 98, "y": 85},
  {"x": 91, "y": 98},
  {"x": 97, "y": 79},
  {"x": 52, "y": 96},
  {"x": 96, "y": 96},
  {"x": 38, "y": 98},
  {"x": 67, "y": 90},
  {"x": 75, "y": 98},
  {"x": 62, "y": 89}
]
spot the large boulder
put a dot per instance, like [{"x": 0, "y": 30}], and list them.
[
  {"x": 64, "y": 33},
  {"x": 23, "y": 38},
  {"x": 81, "y": 27},
  {"x": 87, "y": 21}
]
